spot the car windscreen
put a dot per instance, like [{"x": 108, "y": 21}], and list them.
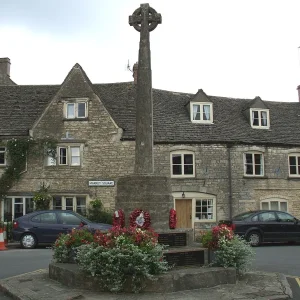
[
  {"x": 242, "y": 216},
  {"x": 82, "y": 218}
]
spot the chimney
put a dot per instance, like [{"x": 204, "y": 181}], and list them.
[
  {"x": 298, "y": 88},
  {"x": 135, "y": 72},
  {"x": 5, "y": 66}
]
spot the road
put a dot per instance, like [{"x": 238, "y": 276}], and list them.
[
  {"x": 18, "y": 261},
  {"x": 280, "y": 258},
  {"x": 270, "y": 258}
]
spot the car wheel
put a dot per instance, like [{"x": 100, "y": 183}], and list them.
[
  {"x": 28, "y": 241},
  {"x": 254, "y": 238}
]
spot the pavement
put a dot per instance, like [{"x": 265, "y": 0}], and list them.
[{"x": 254, "y": 285}]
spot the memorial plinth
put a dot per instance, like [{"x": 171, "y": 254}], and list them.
[{"x": 147, "y": 192}]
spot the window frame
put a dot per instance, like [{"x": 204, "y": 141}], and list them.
[
  {"x": 76, "y": 103},
  {"x": 279, "y": 201},
  {"x": 253, "y": 153},
  {"x": 51, "y": 161},
  {"x": 3, "y": 150},
  {"x": 182, "y": 153},
  {"x": 259, "y": 110},
  {"x": 75, "y": 206},
  {"x": 213, "y": 211},
  {"x": 297, "y": 155},
  {"x": 201, "y": 104}
]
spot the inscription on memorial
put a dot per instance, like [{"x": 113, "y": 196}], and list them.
[
  {"x": 187, "y": 258},
  {"x": 172, "y": 239}
]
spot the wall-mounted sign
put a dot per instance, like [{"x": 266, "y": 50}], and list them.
[{"x": 101, "y": 183}]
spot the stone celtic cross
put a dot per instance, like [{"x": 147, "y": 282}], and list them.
[
  {"x": 145, "y": 16},
  {"x": 144, "y": 19}
]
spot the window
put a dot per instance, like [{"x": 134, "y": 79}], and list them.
[
  {"x": 2, "y": 156},
  {"x": 204, "y": 209},
  {"x": 182, "y": 164},
  {"x": 260, "y": 118},
  {"x": 69, "y": 219},
  {"x": 76, "y": 110},
  {"x": 253, "y": 164},
  {"x": 18, "y": 206},
  {"x": 284, "y": 217},
  {"x": 66, "y": 156},
  {"x": 46, "y": 218},
  {"x": 267, "y": 217},
  {"x": 274, "y": 205},
  {"x": 73, "y": 203},
  {"x": 294, "y": 165},
  {"x": 201, "y": 112}
]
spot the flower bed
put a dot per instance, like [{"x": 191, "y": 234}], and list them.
[
  {"x": 65, "y": 245},
  {"x": 227, "y": 249},
  {"x": 114, "y": 255}
]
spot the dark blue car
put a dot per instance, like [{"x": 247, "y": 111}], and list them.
[{"x": 44, "y": 226}]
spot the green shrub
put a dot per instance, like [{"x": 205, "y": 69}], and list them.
[
  {"x": 96, "y": 213},
  {"x": 64, "y": 247},
  {"x": 235, "y": 253},
  {"x": 123, "y": 253},
  {"x": 42, "y": 198}
]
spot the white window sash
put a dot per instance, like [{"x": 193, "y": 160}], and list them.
[
  {"x": 61, "y": 157},
  {"x": 206, "y": 112},
  {"x": 77, "y": 110},
  {"x": 264, "y": 118},
  {"x": 70, "y": 111},
  {"x": 182, "y": 164},
  {"x": 196, "y": 110},
  {"x": 75, "y": 156},
  {"x": 254, "y": 164}
]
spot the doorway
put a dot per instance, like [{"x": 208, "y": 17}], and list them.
[{"x": 183, "y": 209}]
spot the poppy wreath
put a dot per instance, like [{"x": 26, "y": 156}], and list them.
[
  {"x": 119, "y": 218},
  {"x": 172, "y": 219},
  {"x": 140, "y": 219}
]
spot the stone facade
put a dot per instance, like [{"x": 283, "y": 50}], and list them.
[{"x": 106, "y": 155}]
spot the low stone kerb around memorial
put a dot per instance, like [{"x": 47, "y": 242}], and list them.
[{"x": 179, "y": 279}]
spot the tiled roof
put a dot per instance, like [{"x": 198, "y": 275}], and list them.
[{"x": 20, "y": 106}]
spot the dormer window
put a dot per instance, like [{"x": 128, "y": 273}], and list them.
[
  {"x": 76, "y": 109},
  {"x": 201, "y": 112},
  {"x": 260, "y": 118}
]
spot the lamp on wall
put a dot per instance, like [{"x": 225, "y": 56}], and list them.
[{"x": 183, "y": 195}]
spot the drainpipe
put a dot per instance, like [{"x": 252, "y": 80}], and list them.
[{"x": 229, "y": 181}]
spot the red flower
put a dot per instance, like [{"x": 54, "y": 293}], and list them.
[{"x": 172, "y": 219}]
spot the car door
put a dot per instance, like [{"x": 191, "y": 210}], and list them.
[
  {"x": 289, "y": 227},
  {"x": 68, "y": 220},
  {"x": 45, "y": 226},
  {"x": 270, "y": 226}
]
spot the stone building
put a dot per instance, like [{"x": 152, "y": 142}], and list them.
[{"x": 223, "y": 155}]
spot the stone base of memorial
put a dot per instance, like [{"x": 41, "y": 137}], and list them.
[{"x": 150, "y": 193}]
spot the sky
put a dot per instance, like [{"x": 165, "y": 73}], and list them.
[{"x": 232, "y": 48}]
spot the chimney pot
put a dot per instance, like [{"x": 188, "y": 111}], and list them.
[
  {"x": 5, "y": 66},
  {"x": 135, "y": 72}
]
